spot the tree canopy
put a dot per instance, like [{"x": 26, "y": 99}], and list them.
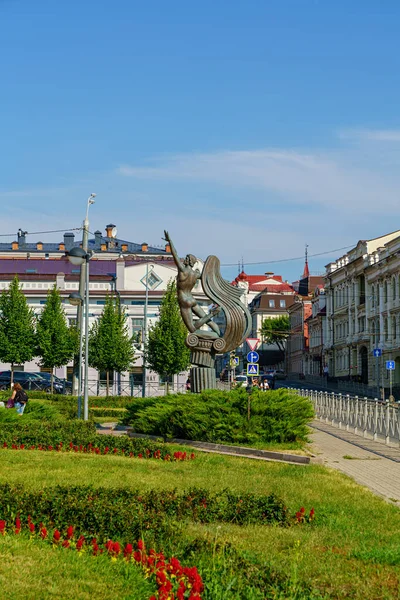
[
  {"x": 110, "y": 346},
  {"x": 276, "y": 331},
  {"x": 165, "y": 350},
  {"x": 17, "y": 327},
  {"x": 56, "y": 342}
]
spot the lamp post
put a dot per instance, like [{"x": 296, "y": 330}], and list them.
[
  {"x": 78, "y": 257},
  {"x": 145, "y": 329},
  {"x": 82, "y": 278}
]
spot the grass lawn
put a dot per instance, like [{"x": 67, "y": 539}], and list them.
[
  {"x": 32, "y": 570},
  {"x": 351, "y": 551}
]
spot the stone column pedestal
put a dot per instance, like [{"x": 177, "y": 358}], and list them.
[{"x": 202, "y": 378}]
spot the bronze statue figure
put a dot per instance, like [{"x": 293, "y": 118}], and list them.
[
  {"x": 205, "y": 344},
  {"x": 186, "y": 281}
]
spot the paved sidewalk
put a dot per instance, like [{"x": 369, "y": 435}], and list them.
[{"x": 371, "y": 464}]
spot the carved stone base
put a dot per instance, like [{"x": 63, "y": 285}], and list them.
[
  {"x": 203, "y": 351},
  {"x": 202, "y": 378}
]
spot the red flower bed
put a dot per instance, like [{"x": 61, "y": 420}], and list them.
[
  {"x": 90, "y": 449},
  {"x": 173, "y": 581}
]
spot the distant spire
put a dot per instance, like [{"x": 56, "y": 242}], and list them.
[
  {"x": 306, "y": 272},
  {"x": 242, "y": 264},
  {"x": 238, "y": 267}
]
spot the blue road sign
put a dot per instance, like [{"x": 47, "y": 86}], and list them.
[
  {"x": 377, "y": 352},
  {"x": 234, "y": 361},
  {"x": 252, "y": 370},
  {"x": 253, "y": 357},
  {"x": 390, "y": 365}
]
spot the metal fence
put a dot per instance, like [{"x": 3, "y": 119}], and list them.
[
  {"x": 370, "y": 419},
  {"x": 127, "y": 388}
]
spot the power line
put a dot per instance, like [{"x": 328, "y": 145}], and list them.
[
  {"x": 281, "y": 260},
  {"x": 42, "y": 232}
]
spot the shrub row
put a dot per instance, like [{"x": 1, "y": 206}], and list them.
[
  {"x": 124, "y": 513},
  {"x": 216, "y": 416},
  {"x": 78, "y": 433}
]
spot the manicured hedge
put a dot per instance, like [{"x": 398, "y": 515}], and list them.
[
  {"x": 218, "y": 416},
  {"x": 125, "y": 513}
]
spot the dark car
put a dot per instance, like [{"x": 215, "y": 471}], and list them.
[
  {"x": 60, "y": 386},
  {"x": 28, "y": 381}
]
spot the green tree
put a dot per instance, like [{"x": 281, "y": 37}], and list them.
[
  {"x": 165, "y": 350},
  {"x": 56, "y": 342},
  {"x": 110, "y": 346},
  {"x": 17, "y": 327},
  {"x": 276, "y": 331}
]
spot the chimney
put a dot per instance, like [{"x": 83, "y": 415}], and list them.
[
  {"x": 69, "y": 239},
  {"x": 61, "y": 246},
  {"x": 103, "y": 247},
  {"x": 124, "y": 247},
  {"x": 120, "y": 274},
  {"x": 97, "y": 239},
  {"x": 109, "y": 229},
  {"x": 21, "y": 237},
  {"x": 167, "y": 248},
  {"x": 145, "y": 247},
  {"x": 60, "y": 281},
  {"x": 14, "y": 245},
  {"x": 268, "y": 273},
  {"x": 39, "y": 246}
]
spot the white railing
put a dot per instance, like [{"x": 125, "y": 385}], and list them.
[{"x": 368, "y": 418}]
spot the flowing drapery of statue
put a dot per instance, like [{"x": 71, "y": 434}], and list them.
[{"x": 205, "y": 339}]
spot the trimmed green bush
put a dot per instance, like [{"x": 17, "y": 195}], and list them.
[{"x": 217, "y": 416}]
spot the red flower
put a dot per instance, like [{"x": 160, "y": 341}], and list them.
[
  {"x": 43, "y": 532},
  {"x": 22, "y": 446},
  {"x": 50, "y": 448},
  {"x": 115, "y": 450},
  {"x": 56, "y": 536},
  {"x": 140, "y": 545},
  {"x": 17, "y": 525},
  {"x": 2, "y": 527},
  {"x": 66, "y": 544},
  {"x": 80, "y": 543},
  {"x": 5, "y": 445},
  {"x": 128, "y": 550},
  {"x": 31, "y": 527},
  {"x": 70, "y": 532},
  {"x": 116, "y": 548},
  {"x": 140, "y": 455},
  {"x": 312, "y": 514}
]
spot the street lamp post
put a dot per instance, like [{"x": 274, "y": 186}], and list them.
[
  {"x": 80, "y": 257},
  {"x": 145, "y": 329},
  {"x": 79, "y": 304}
]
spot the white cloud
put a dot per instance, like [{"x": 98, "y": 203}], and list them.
[
  {"x": 377, "y": 135},
  {"x": 331, "y": 180}
]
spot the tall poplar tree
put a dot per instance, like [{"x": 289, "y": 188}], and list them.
[
  {"x": 56, "y": 342},
  {"x": 17, "y": 327},
  {"x": 165, "y": 350},
  {"x": 110, "y": 346}
]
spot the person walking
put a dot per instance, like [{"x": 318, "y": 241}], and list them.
[{"x": 20, "y": 398}]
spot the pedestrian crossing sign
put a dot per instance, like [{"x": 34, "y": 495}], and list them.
[{"x": 252, "y": 369}]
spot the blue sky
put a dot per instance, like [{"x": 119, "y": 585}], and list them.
[{"x": 245, "y": 128}]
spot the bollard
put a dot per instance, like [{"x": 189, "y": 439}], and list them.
[
  {"x": 376, "y": 420},
  {"x": 365, "y": 417},
  {"x": 356, "y": 416}
]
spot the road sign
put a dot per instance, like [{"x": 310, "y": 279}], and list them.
[
  {"x": 253, "y": 357},
  {"x": 252, "y": 343},
  {"x": 390, "y": 365},
  {"x": 234, "y": 361},
  {"x": 252, "y": 370},
  {"x": 377, "y": 352}
]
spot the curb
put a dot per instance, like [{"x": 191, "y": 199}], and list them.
[{"x": 231, "y": 450}]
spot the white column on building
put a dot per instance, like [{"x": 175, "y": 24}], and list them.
[
  {"x": 350, "y": 297},
  {"x": 389, "y": 312},
  {"x": 356, "y": 301},
  {"x": 381, "y": 333}
]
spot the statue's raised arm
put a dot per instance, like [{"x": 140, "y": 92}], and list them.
[{"x": 174, "y": 253}]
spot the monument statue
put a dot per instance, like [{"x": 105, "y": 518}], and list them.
[{"x": 206, "y": 343}]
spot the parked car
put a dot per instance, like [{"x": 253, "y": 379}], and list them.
[
  {"x": 60, "y": 386},
  {"x": 240, "y": 380},
  {"x": 28, "y": 381},
  {"x": 35, "y": 382}
]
